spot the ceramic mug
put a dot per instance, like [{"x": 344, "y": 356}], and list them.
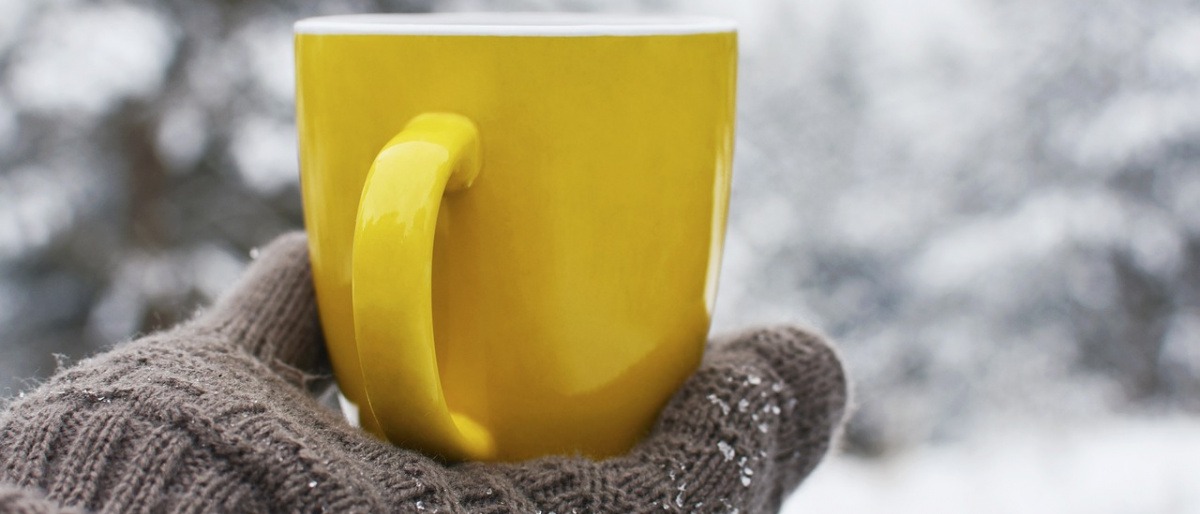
[{"x": 515, "y": 221}]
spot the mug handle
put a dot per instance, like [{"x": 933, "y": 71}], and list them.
[{"x": 392, "y": 270}]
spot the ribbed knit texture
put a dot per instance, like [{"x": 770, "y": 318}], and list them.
[{"x": 215, "y": 416}]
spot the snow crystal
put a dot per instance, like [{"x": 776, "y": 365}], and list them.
[
  {"x": 719, "y": 403},
  {"x": 726, "y": 450}
]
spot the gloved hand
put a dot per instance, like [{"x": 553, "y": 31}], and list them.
[{"x": 215, "y": 415}]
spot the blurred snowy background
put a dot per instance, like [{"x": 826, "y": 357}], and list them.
[{"x": 994, "y": 206}]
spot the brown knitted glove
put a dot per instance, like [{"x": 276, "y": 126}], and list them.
[{"x": 214, "y": 416}]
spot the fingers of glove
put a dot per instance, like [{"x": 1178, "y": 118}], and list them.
[
  {"x": 271, "y": 312},
  {"x": 742, "y": 432},
  {"x": 748, "y": 426},
  {"x": 812, "y": 392}
]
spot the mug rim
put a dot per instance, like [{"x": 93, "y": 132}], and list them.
[{"x": 514, "y": 24}]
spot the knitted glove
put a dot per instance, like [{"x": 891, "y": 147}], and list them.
[{"x": 215, "y": 415}]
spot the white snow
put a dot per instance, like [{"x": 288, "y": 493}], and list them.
[
  {"x": 13, "y": 15},
  {"x": 265, "y": 152},
  {"x": 267, "y": 45},
  {"x": 8, "y": 125},
  {"x": 1136, "y": 124},
  {"x": 1114, "y": 466},
  {"x": 87, "y": 58},
  {"x": 1181, "y": 346},
  {"x": 40, "y": 202},
  {"x": 182, "y": 136},
  {"x": 1178, "y": 46},
  {"x": 215, "y": 268}
]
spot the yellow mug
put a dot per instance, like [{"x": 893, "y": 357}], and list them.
[{"x": 515, "y": 221}]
